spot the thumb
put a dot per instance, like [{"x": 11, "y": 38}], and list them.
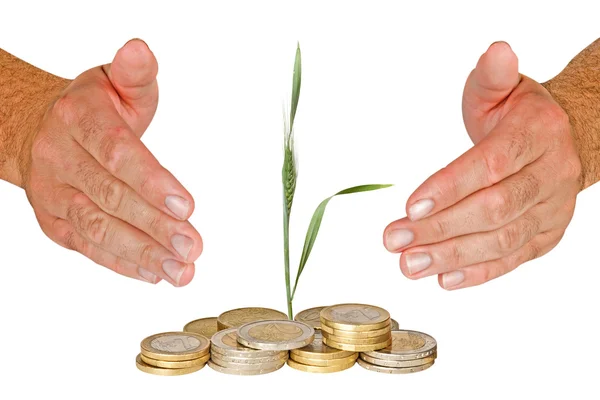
[
  {"x": 488, "y": 86},
  {"x": 133, "y": 75}
]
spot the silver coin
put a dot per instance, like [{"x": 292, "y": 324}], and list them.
[
  {"x": 234, "y": 365},
  {"x": 395, "y": 325},
  {"x": 233, "y": 371},
  {"x": 390, "y": 370},
  {"x": 406, "y": 345},
  {"x": 245, "y": 360},
  {"x": 398, "y": 364},
  {"x": 225, "y": 342},
  {"x": 275, "y": 335}
]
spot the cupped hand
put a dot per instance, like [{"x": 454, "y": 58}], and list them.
[
  {"x": 505, "y": 201},
  {"x": 97, "y": 189}
]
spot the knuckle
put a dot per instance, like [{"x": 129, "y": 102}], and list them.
[
  {"x": 69, "y": 240},
  {"x": 508, "y": 239},
  {"x": 456, "y": 255},
  {"x": 111, "y": 193},
  {"x": 555, "y": 119},
  {"x": 97, "y": 227},
  {"x": 42, "y": 147},
  {"x": 496, "y": 162},
  {"x": 441, "y": 228},
  {"x": 65, "y": 108},
  {"x": 146, "y": 185},
  {"x": 113, "y": 148},
  {"x": 498, "y": 207},
  {"x": 155, "y": 222},
  {"x": 146, "y": 255},
  {"x": 90, "y": 127}
]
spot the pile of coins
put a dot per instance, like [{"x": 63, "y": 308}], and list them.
[
  {"x": 409, "y": 352},
  {"x": 173, "y": 353},
  {"x": 356, "y": 327},
  {"x": 255, "y": 341}
]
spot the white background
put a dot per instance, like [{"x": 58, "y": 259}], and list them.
[{"x": 380, "y": 103}]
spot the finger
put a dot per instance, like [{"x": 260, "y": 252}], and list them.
[
  {"x": 484, "y": 211},
  {"x": 119, "y": 200},
  {"x": 477, "y": 274},
  {"x": 105, "y": 135},
  {"x": 63, "y": 233},
  {"x": 133, "y": 75},
  {"x": 463, "y": 251},
  {"x": 518, "y": 140},
  {"x": 118, "y": 237},
  {"x": 489, "y": 84}
]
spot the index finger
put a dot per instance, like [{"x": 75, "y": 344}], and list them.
[
  {"x": 102, "y": 132},
  {"x": 514, "y": 143}
]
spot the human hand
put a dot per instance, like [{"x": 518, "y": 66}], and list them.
[
  {"x": 95, "y": 188},
  {"x": 508, "y": 199}
]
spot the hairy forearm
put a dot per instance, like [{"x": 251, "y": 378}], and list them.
[
  {"x": 25, "y": 93},
  {"x": 577, "y": 90}
]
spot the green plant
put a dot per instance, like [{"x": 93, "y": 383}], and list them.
[{"x": 288, "y": 176}]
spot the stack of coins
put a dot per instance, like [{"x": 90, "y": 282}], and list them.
[
  {"x": 356, "y": 327},
  {"x": 173, "y": 353},
  {"x": 230, "y": 357},
  {"x": 312, "y": 317},
  {"x": 317, "y": 357},
  {"x": 240, "y": 316},
  {"x": 409, "y": 352}
]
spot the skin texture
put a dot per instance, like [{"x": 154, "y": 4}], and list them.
[
  {"x": 510, "y": 198},
  {"x": 74, "y": 146}
]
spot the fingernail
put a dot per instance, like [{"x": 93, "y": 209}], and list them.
[
  {"x": 398, "y": 238},
  {"x": 174, "y": 270},
  {"x": 182, "y": 244},
  {"x": 147, "y": 275},
  {"x": 417, "y": 262},
  {"x": 451, "y": 279},
  {"x": 178, "y": 206},
  {"x": 420, "y": 209}
]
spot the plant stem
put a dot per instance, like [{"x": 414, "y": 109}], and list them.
[{"x": 286, "y": 255}]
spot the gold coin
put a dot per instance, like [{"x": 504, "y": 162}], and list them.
[
  {"x": 407, "y": 345},
  {"x": 357, "y": 347},
  {"x": 240, "y": 316},
  {"x": 318, "y": 350},
  {"x": 234, "y": 371},
  {"x": 398, "y": 364},
  {"x": 355, "y": 317},
  {"x": 203, "y": 326},
  {"x": 233, "y": 365},
  {"x": 310, "y": 317},
  {"x": 142, "y": 366},
  {"x": 395, "y": 325},
  {"x": 354, "y": 334},
  {"x": 175, "y": 364},
  {"x": 275, "y": 335},
  {"x": 323, "y": 363},
  {"x": 390, "y": 370},
  {"x": 322, "y": 370},
  {"x": 225, "y": 342},
  {"x": 246, "y": 360},
  {"x": 175, "y": 346},
  {"x": 373, "y": 340}
]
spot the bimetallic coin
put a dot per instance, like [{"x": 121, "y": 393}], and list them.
[
  {"x": 240, "y": 316},
  {"x": 355, "y": 334},
  {"x": 407, "y": 345},
  {"x": 389, "y": 370},
  {"x": 373, "y": 340},
  {"x": 225, "y": 342},
  {"x": 245, "y": 360},
  {"x": 175, "y": 364},
  {"x": 142, "y": 366},
  {"x": 324, "y": 363},
  {"x": 318, "y": 350},
  {"x": 263, "y": 366},
  {"x": 356, "y": 347},
  {"x": 322, "y": 370},
  {"x": 398, "y": 364},
  {"x": 203, "y": 326},
  {"x": 310, "y": 317},
  {"x": 234, "y": 371},
  {"x": 355, "y": 317},
  {"x": 175, "y": 346},
  {"x": 275, "y": 335},
  {"x": 395, "y": 325}
]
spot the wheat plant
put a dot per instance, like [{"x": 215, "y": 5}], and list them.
[{"x": 289, "y": 176}]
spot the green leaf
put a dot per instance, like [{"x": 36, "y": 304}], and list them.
[
  {"x": 296, "y": 86},
  {"x": 315, "y": 224}
]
